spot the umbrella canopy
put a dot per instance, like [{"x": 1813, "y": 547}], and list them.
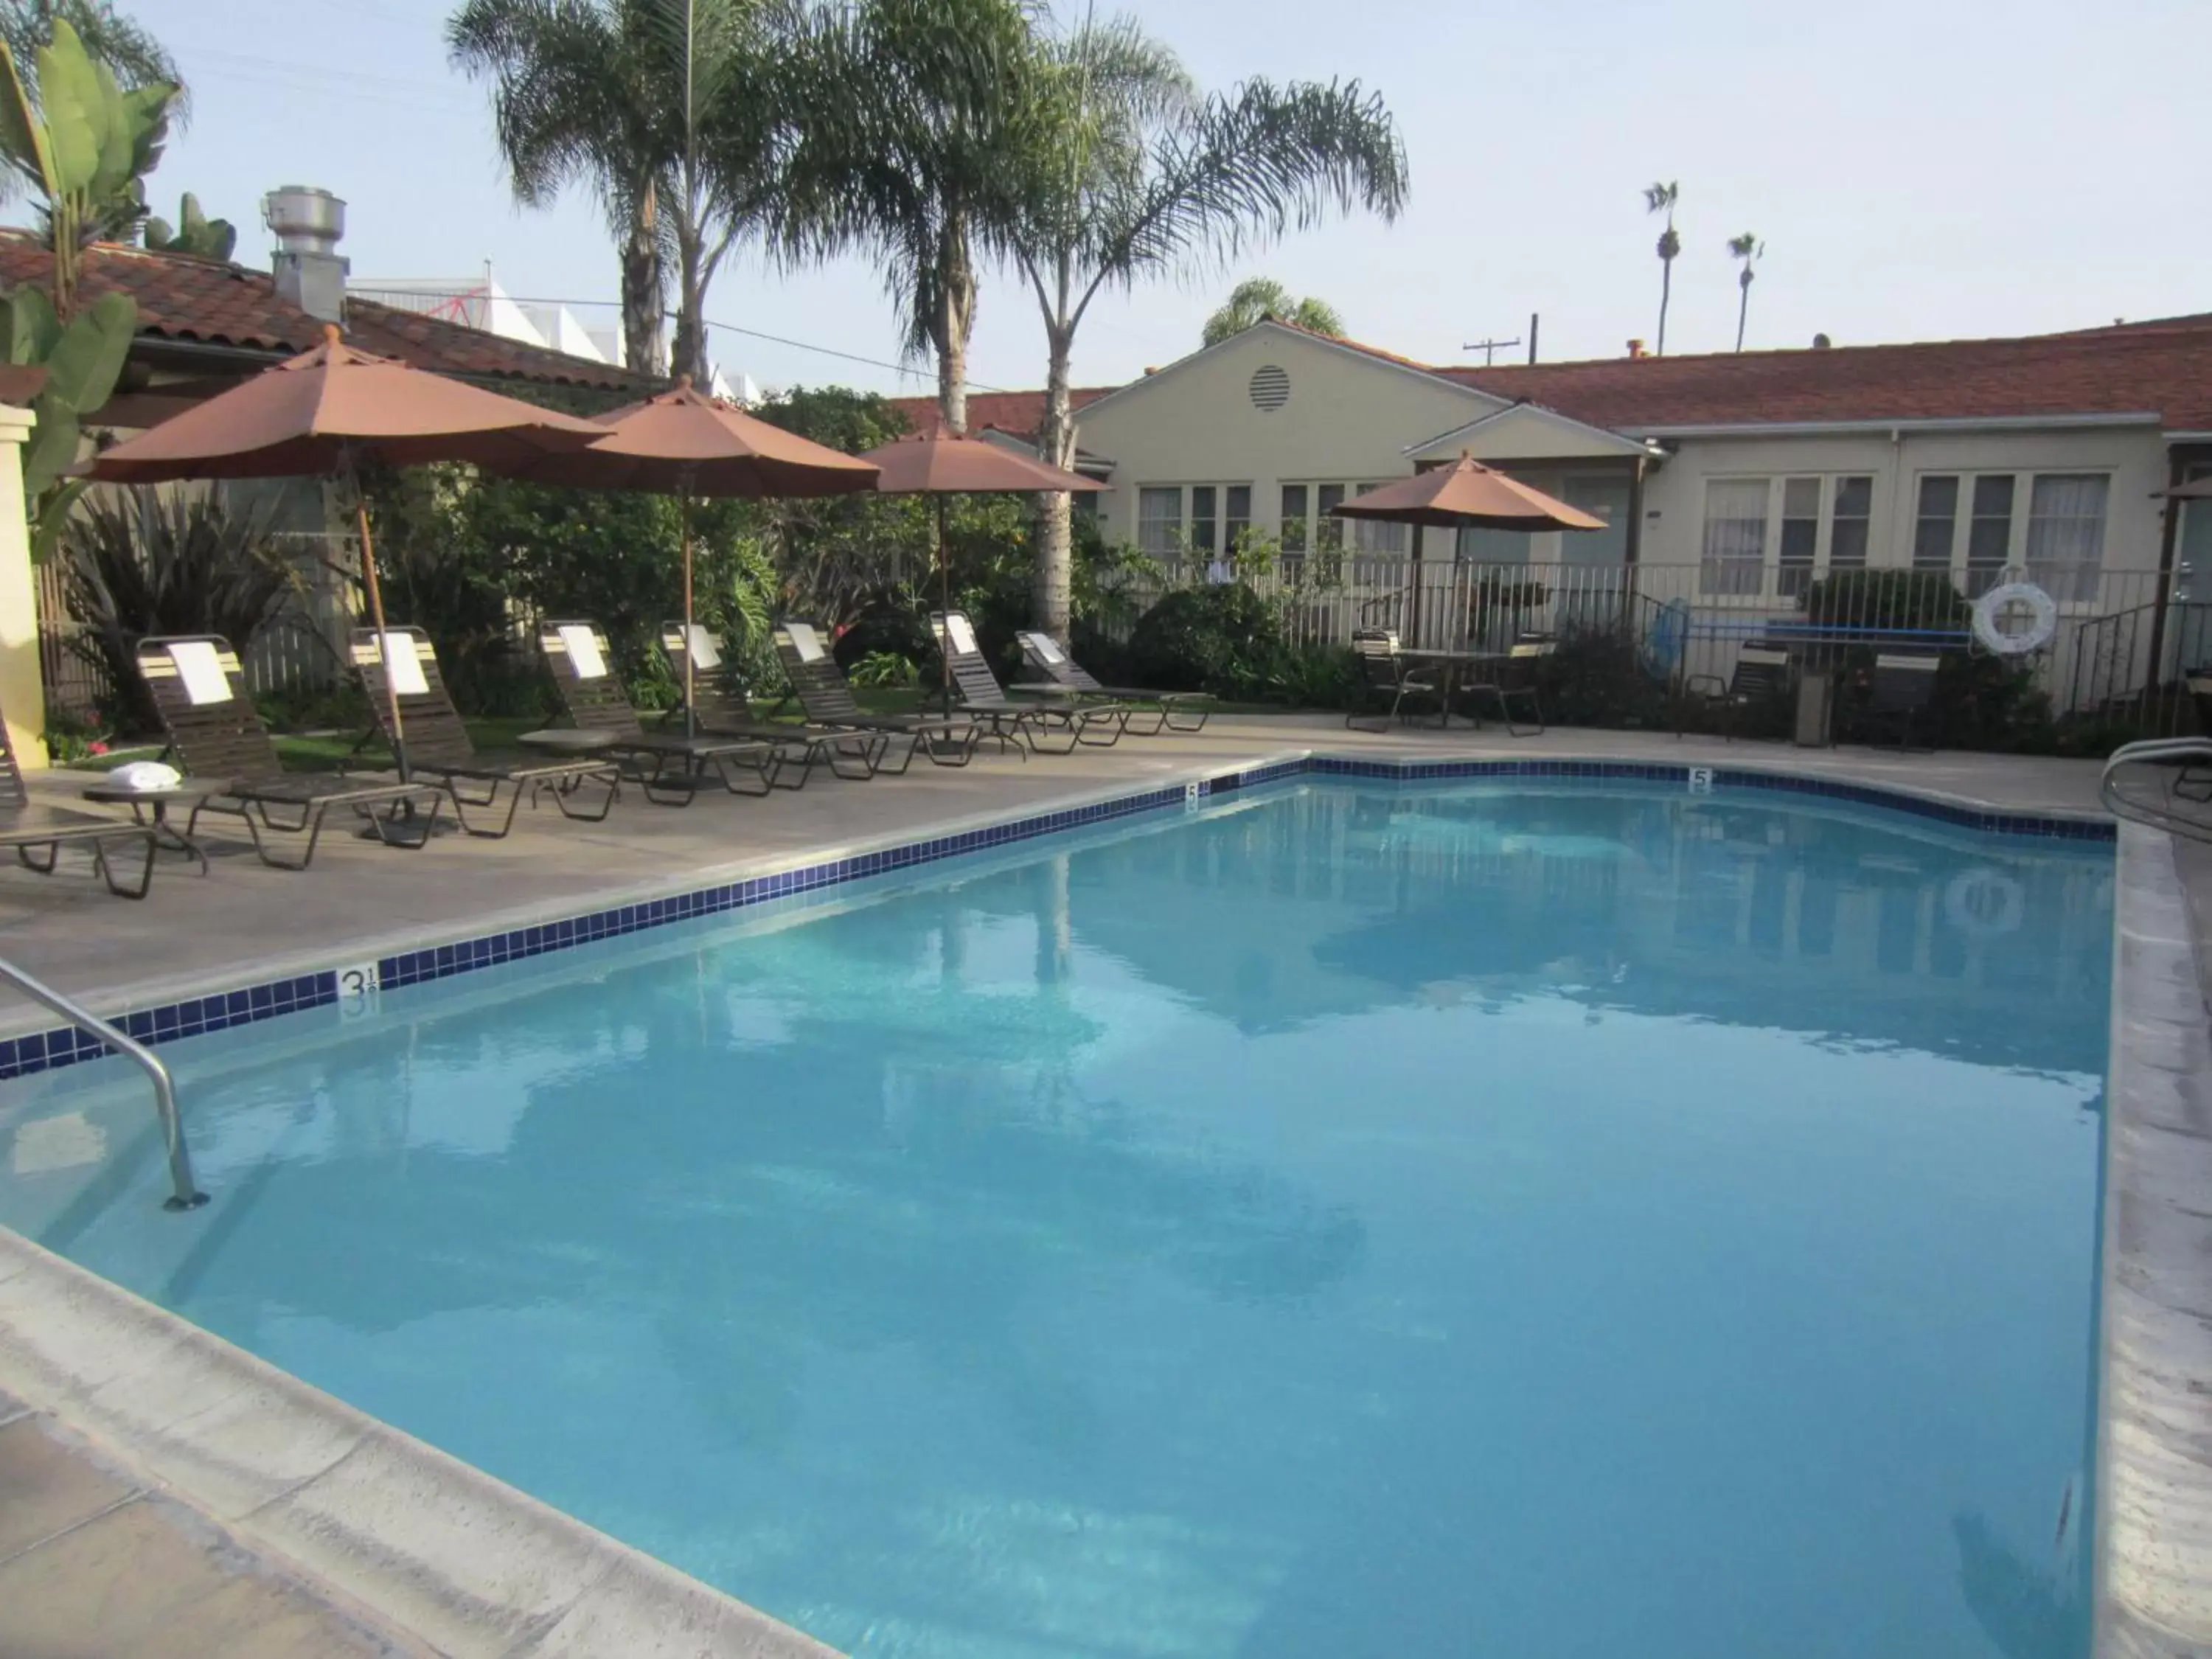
[
  {"x": 1468, "y": 493},
  {"x": 326, "y": 409},
  {"x": 2196, "y": 489},
  {"x": 683, "y": 442},
  {"x": 940, "y": 464}
]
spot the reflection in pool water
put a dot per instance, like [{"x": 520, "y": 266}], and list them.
[{"x": 1409, "y": 1221}]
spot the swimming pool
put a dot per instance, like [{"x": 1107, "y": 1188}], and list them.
[{"x": 1421, "y": 1219}]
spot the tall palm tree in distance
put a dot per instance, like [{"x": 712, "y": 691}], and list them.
[
  {"x": 1258, "y": 298},
  {"x": 1748, "y": 248},
  {"x": 1661, "y": 198},
  {"x": 1129, "y": 177}
]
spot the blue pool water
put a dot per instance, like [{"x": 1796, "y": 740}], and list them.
[{"x": 1393, "y": 1220}]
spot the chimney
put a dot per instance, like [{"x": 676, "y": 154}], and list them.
[
  {"x": 1534, "y": 318},
  {"x": 1636, "y": 347},
  {"x": 307, "y": 224}
]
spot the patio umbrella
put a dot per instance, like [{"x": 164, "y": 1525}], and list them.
[
  {"x": 1465, "y": 495},
  {"x": 323, "y": 413},
  {"x": 2196, "y": 489},
  {"x": 684, "y": 443},
  {"x": 940, "y": 464}
]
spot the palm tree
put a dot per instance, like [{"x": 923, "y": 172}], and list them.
[
  {"x": 908, "y": 114},
  {"x": 129, "y": 49},
  {"x": 1258, "y": 298},
  {"x": 1660, "y": 199},
  {"x": 1748, "y": 248},
  {"x": 1130, "y": 177},
  {"x": 662, "y": 107}
]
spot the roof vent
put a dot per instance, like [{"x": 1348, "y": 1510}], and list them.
[
  {"x": 1822, "y": 343},
  {"x": 307, "y": 224},
  {"x": 1271, "y": 387}
]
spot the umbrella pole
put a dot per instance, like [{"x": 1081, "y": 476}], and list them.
[
  {"x": 690, "y": 709},
  {"x": 944, "y": 600},
  {"x": 1413, "y": 608},
  {"x": 376, "y": 616}
]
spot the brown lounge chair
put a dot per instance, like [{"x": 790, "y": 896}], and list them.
[
  {"x": 826, "y": 696},
  {"x": 216, "y": 735},
  {"x": 35, "y": 832},
  {"x": 1171, "y": 711},
  {"x": 981, "y": 695},
  {"x": 668, "y": 766},
  {"x": 439, "y": 746},
  {"x": 720, "y": 709}
]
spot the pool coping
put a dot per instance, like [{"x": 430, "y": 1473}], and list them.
[
  {"x": 190, "y": 1005},
  {"x": 2153, "y": 1579}
]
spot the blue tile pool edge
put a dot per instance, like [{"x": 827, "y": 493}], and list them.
[{"x": 43, "y": 1051}]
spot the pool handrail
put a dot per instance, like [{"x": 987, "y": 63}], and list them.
[
  {"x": 186, "y": 1194},
  {"x": 2191, "y": 760}
]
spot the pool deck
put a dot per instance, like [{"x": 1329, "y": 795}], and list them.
[
  {"x": 287, "y": 1521},
  {"x": 244, "y": 922}
]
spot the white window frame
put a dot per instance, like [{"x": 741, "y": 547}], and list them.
[
  {"x": 2072, "y": 582},
  {"x": 1174, "y": 549},
  {"x": 1724, "y": 576}
]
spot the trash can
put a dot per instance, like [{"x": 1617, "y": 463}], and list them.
[{"x": 1816, "y": 697}]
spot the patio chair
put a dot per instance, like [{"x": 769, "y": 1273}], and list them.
[
  {"x": 439, "y": 745},
  {"x": 668, "y": 766},
  {"x": 216, "y": 735},
  {"x": 1012, "y": 723},
  {"x": 1513, "y": 677},
  {"x": 1900, "y": 689},
  {"x": 720, "y": 709},
  {"x": 1171, "y": 711},
  {"x": 1761, "y": 679},
  {"x": 1389, "y": 681},
  {"x": 35, "y": 833},
  {"x": 826, "y": 697}
]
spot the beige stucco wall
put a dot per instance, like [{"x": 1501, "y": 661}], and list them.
[
  {"x": 2135, "y": 456},
  {"x": 22, "y": 694}
]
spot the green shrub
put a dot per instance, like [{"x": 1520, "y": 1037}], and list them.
[
  {"x": 1599, "y": 677},
  {"x": 1221, "y": 639}
]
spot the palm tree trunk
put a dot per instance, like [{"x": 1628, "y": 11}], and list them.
[
  {"x": 691, "y": 325},
  {"x": 1742, "y": 312},
  {"x": 645, "y": 341},
  {"x": 1050, "y": 589},
  {"x": 952, "y": 325},
  {"x": 1665, "y": 292}
]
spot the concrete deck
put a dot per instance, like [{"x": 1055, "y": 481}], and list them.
[{"x": 245, "y": 922}]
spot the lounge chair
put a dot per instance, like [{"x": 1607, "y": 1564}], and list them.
[
  {"x": 1171, "y": 711},
  {"x": 1010, "y": 723},
  {"x": 1761, "y": 679},
  {"x": 1386, "y": 679},
  {"x": 439, "y": 745},
  {"x": 216, "y": 735},
  {"x": 35, "y": 833},
  {"x": 826, "y": 696},
  {"x": 720, "y": 709},
  {"x": 1898, "y": 691},
  {"x": 667, "y": 765}
]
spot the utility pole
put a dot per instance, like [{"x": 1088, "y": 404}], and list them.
[{"x": 1490, "y": 348}]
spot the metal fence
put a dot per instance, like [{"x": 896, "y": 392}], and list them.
[{"x": 2122, "y": 646}]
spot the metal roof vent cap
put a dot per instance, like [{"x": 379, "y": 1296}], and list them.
[
  {"x": 307, "y": 224},
  {"x": 1271, "y": 387}
]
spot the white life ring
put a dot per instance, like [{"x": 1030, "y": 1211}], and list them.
[
  {"x": 1984, "y": 904},
  {"x": 1991, "y": 607}
]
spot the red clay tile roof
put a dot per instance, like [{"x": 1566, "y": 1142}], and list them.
[
  {"x": 1019, "y": 413},
  {"x": 207, "y": 301},
  {"x": 2162, "y": 367}
]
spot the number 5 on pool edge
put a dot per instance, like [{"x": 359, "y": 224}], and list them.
[{"x": 357, "y": 990}]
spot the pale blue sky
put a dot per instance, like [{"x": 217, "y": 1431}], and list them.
[{"x": 1919, "y": 168}]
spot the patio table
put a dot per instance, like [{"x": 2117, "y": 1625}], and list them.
[
  {"x": 1454, "y": 665},
  {"x": 151, "y": 808}
]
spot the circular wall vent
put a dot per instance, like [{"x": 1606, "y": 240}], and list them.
[{"x": 1271, "y": 387}]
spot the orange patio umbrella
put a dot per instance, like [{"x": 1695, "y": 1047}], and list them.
[
  {"x": 938, "y": 464},
  {"x": 1465, "y": 495},
  {"x": 325, "y": 412},
  {"x": 684, "y": 443}
]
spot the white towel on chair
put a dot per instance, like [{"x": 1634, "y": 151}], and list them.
[
  {"x": 201, "y": 669},
  {"x": 584, "y": 652}
]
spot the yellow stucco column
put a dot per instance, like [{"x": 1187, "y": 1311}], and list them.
[{"x": 22, "y": 693}]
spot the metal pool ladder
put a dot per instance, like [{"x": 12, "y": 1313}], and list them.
[
  {"x": 2166, "y": 783},
  {"x": 187, "y": 1196}
]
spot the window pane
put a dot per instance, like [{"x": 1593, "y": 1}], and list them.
[
  {"x": 1329, "y": 530},
  {"x": 1847, "y": 523},
  {"x": 1989, "y": 536},
  {"x": 2066, "y": 533},
  {"x": 1160, "y": 522},
  {"x": 1939, "y": 513},
  {"x": 1736, "y": 536},
  {"x": 1294, "y": 519},
  {"x": 1801, "y": 534},
  {"x": 1238, "y": 518},
  {"x": 1202, "y": 524}
]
